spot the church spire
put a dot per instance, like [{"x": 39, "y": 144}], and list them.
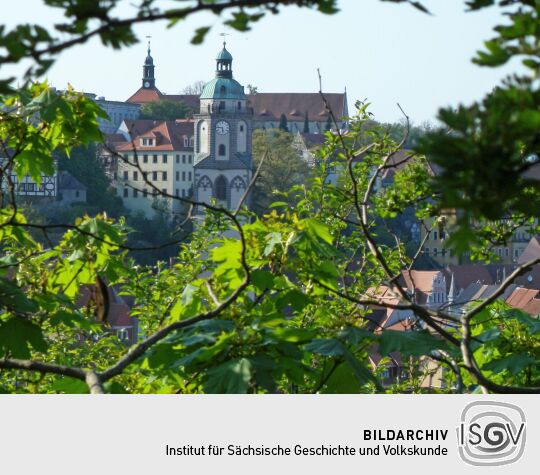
[
  {"x": 224, "y": 62},
  {"x": 149, "y": 81}
]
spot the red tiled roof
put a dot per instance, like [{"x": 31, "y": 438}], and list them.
[
  {"x": 466, "y": 274},
  {"x": 145, "y": 95},
  {"x": 420, "y": 280},
  {"x": 169, "y": 135},
  {"x": 532, "y": 251},
  {"x": 266, "y": 106},
  {"x": 520, "y": 297},
  {"x": 270, "y": 106}
]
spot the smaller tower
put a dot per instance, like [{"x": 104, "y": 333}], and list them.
[{"x": 148, "y": 81}]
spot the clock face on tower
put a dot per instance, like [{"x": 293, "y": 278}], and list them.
[
  {"x": 222, "y": 127},
  {"x": 146, "y": 84}
]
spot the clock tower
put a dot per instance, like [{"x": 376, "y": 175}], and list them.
[
  {"x": 223, "y": 129},
  {"x": 148, "y": 81}
]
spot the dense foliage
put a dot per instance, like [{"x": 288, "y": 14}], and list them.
[{"x": 280, "y": 301}]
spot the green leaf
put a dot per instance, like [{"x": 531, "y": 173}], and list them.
[
  {"x": 232, "y": 377},
  {"x": 18, "y": 336},
  {"x": 200, "y": 34},
  {"x": 409, "y": 343},
  {"x": 514, "y": 364},
  {"x": 12, "y": 297},
  {"x": 326, "y": 347}
]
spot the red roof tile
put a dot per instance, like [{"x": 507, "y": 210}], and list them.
[
  {"x": 145, "y": 95},
  {"x": 169, "y": 135}
]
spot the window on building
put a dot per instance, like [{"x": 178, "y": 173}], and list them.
[
  {"x": 145, "y": 176},
  {"x": 177, "y": 192},
  {"x": 241, "y": 128},
  {"x": 222, "y": 106},
  {"x": 434, "y": 235},
  {"x": 221, "y": 150},
  {"x": 177, "y": 158},
  {"x": 189, "y": 176},
  {"x": 177, "y": 176},
  {"x": 126, "y": 177},
  {"x": 154, "y": 159},
  {"x": 426, "y": 251},
  {"x": 435, "y": 251},
  {"x": 77, "y": 194},
  {"x": 164, "y": 191},
  {"x": 164, "y": 176},
  {"x": 164, "y": 158},
  {"x": 186, "y": 142},
  {"x": 126, "y": 191},
  {"x": 154, "y": 192},
  {"x": 154, "y": 176},
  {"x": 190, "y": 158},
  {"x": 135, "y": 193},
  {"x": 183, "y": 159},
  {"x": 239, "y": 105},
  {"x": 145, "y": 158},
  {"x": 183, "y": 176},
  {"x": 222, "y": 91},
  {"x": 506, "y": 252},
  {"x": 135, "y": 175},
  {"x": 115, "y": 176},
  {"x": 221, "y": 188},
  {"x": 183, "y": 193}
]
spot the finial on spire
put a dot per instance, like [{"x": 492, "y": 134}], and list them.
[
  {"x": 224, "y": 38},
  {"x": 148, "y": 37}
]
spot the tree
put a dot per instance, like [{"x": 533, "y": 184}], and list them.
[
  {"x": 306, "y": 124},
  {"x": 288, "y": 305},
  {"x": 282, "y": 169},
  {"x": 283, "y": 123},
  {"x": 165, "y": 110},
  {"x": 82, "y": 164},
  {"x": 251, "y": 89},
  {"x": 194, "y": 89}
]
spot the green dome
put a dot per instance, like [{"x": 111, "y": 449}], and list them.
[
  {"x": 224, "y": 55},
  {"x": 223, "y": 88}
]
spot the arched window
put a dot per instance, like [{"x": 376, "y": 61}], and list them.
[
  {"x": 221, "y": 188},
  {"x": 222, "y": 91},
  {"x": 221, "y": 150}
]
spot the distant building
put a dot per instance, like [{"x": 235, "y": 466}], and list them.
[
  {"x": 151, "y": 157},
  {"x": 116, "y": 110},
  {"x": 48, "y": 188},
  {"x": 267, "y": 107},
  {"x": 70, "y": 190}
]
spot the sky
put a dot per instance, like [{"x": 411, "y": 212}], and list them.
[{"x": 380, "y": 52}]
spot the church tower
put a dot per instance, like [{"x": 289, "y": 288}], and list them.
[
  {"x": 222, "y": 138},
  {"x": 148, "y": 81}
]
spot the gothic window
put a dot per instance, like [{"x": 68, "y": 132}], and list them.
[
  {"x": 238, "y": 185},
  {"x": 205, "y": 183},
  {"x": 221, "y": 188},
  {"x": 191, "y": 141},
  {"x": 222, "y": 150}
]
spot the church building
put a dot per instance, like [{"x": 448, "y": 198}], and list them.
[{"x": 222, "y": 138}]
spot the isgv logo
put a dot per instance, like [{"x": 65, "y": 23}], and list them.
[{"x": 491, "y": 433}]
